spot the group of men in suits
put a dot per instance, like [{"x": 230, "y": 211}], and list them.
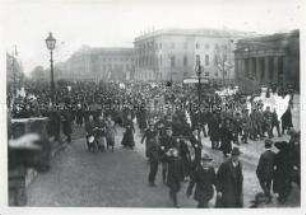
[
  {"x": 181, "y": 158},
  {"x": 280, "y": 168}
]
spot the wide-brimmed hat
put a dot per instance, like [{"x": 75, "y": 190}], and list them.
[
  {"x": 206, "y": 157},
  {"x": 236, "y": 151},
  {"x": 268, "y": 143},
  {"x": 281, "y": 145}
]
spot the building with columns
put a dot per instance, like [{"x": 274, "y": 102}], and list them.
[
  {"x": 268, "y": 59},
  {"x": 170, "y": 54}
]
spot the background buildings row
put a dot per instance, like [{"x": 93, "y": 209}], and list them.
[{"x": 169, "y": 55}]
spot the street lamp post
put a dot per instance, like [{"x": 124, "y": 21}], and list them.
[
  {"x": 198, "y": 69},
  {"x": 50, "y": 42}
]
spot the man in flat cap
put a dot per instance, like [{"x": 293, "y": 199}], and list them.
[
  {"x": 174, "y": 174},
  {"x": 229, "y": 182},
  {"x": 204, "y": 178},
  {"x": 166, "y": 142},
  {"x": 264, "y": 170},
  {"x": 151, "y": 151}
]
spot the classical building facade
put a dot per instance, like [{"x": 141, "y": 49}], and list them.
[
  {"x": 269, "y": 59},
  {"x": 170, "y": 54},
  {"x": 97, "y": 64}
]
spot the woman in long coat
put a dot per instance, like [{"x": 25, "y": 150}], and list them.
[
  {"x": 128, "y": 137},
  {"x": 213, "y": 130},
  {"x": 287, "y": 120},
  {"x": 110, "y": 132},
  {"x": 226, "y": 136}
]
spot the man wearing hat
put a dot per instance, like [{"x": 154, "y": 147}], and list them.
[
  {"x": 174, "y": 173},
  {"x": 204, "y": 178},
  {"x": 264, "y": 169},
  {"x": 229, "y": 182},
  {"x": 226, "y": 136},
  {"x": 195, "y": 140},
  {"x": 282, "y": 175},
  {"x": 214, "y": 130},
  {"x": 151, "y": 150},
  {"x": 166, "y": 142},
  {"x": 150, "y": 135}
]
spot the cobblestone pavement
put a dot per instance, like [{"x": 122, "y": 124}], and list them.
[{"x": 119, "y": 179}]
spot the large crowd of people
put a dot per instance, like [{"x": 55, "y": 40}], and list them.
[{"x": 171, "y": 121}]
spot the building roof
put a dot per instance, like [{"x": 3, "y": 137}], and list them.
[
  {"x": 272, "y": 37},
  {"x": 98, "y": 51},
  {"x": 205, "y": 32},
  {"x": 114, "y": 50},
  {"x": 275, "y": 41}
]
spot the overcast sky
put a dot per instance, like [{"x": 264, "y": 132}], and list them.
[{"x": 112, "y": 23}]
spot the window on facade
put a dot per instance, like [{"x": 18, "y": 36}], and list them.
[
  {"x": 161, "y": 60},
  {"x": 197, "y": 46},
  {"x": 206, "y": 60},
  {"x": 160, "y": 45},
  {"x": 216, "y": 60},
  {"x": 172, "y": 60},
  {"x": 206, "y": 46},
  {"x": 185, "y": 61}
]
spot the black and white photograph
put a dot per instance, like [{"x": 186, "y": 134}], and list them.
[{"x": 153, "y": 104}]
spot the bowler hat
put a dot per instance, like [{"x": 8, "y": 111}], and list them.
[{"x": 236, "y": 151}]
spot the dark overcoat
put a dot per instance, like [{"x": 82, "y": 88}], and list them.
[
  {"x": 264, "y": 170},
  {"x": 282, "y": 171},
  {"x": 204, "y": 181},
  {"x": 174, "y": 174},
  {"x": 229, "y": 182},
  {"x": 213, "y": 126}
]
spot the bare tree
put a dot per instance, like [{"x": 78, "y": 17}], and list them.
[
  {"x": 224, "y": 60},
  {"x": 38, "y": 73}
]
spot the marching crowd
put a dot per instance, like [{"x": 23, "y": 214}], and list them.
[{"x": 171, "y": 121}]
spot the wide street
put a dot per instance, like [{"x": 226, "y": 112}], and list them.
[{"x": 119, "y": 179}]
